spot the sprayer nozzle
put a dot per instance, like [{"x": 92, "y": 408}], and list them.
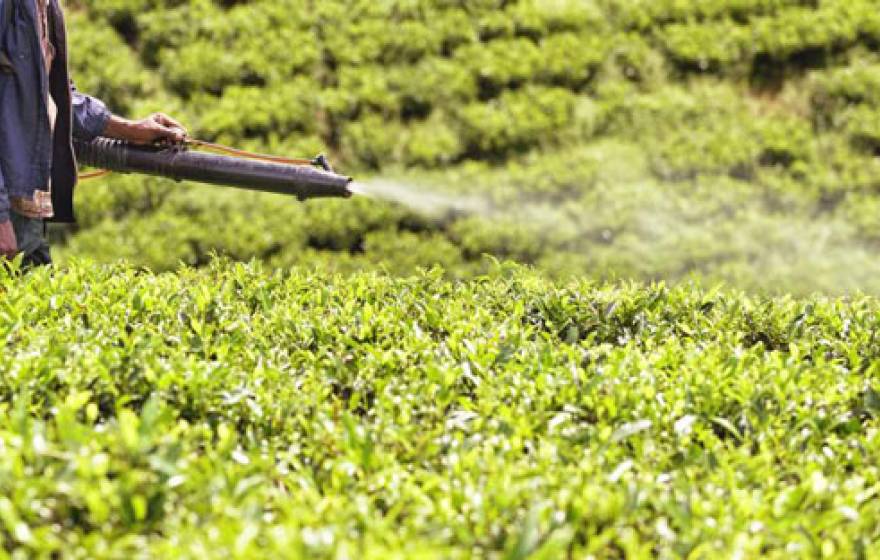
[{"x": 322, "y": 162}]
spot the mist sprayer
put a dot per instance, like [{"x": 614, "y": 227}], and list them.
[{"x": 303, "y": 179}]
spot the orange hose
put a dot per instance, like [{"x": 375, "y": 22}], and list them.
[
  {"x": 94, "y": 174},
  {"x": 245, "y": 154}
]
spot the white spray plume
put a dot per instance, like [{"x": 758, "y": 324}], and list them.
[
  {"x": 650, "y": 229},
  {"x": 421, "y": 200}
]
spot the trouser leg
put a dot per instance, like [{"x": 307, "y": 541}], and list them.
[{"x": 31, "y": 236}]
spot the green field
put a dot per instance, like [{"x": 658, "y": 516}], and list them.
[
  {"x": 609, "y": 138},
  {"x": 614, "y": 296},
  {"x": 234, "y": 413}
]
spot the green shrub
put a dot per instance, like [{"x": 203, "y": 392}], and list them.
[
  {"x": 834, "y": 90},
  {"x": 433, "y": 83},
  {"x": 104, "y": 66},
  {"x": 119, "y": 196},
  {"x": 643, "y": 14},
  {"x": 201, "y": 66},
  {"x": 372, "y": 141},
  {"x": 367, "y": 88},
  {"x": 411, "y": 41},
  {"x": 454, "y": 26},
  {"x": 515, "y": 122},
  {"x": 433, "y": 143},
  {"x": 502, "y": 62},
  {"x": 483, "y": 93},
  {"x": 708, "y": 46},
  {"x": 632, "y": 57},
  {"x": 402, "y": 252},
  {"x": 863, "y": 127},
  {"x": 539, "y": 18},
  {"x": 506, "y": 239},
  {"x": 178, "y": 414},
  {"x": 189, "y": 224},
  {"x": 784, "y": 141},
  {"x": 570, "y": 60},
  {"x": 834, "y": 25},
  {"x": 173, "y": 27},
  {"x": 290, "y": 49},
  {"x": 247, "y": 112}
]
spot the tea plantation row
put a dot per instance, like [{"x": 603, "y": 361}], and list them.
[
  {"x": 229, "y": 412},
  {"x": 455, "y": 81},
  {"x": 735, "y": 126}
]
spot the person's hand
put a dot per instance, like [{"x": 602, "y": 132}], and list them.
[
  {"x": 8, "y": 243},
  {"x": 157, "y": 128}
]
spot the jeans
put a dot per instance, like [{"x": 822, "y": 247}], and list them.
[{"x": 30, "y": 234}]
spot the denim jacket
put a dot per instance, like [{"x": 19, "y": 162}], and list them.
[{"x": 29, "y": 152}]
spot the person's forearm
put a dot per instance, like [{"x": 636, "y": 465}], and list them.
[
  {"x": 118, "y": 127},
  {"x": 155, "y": 128}
]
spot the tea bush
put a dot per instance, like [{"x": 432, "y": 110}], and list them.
[
  {"x": 106, "y": 67},
  {"x": 770, "y": 102},
  {"x": 643, "y": 14},
  {"x": 234, "y": 413},
  {"x": 516, "y": 121},
  {"x": 342, "y": 395},
  {"x": 840, "y": 87}
]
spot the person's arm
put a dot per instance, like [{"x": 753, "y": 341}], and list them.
[
  {"x": 91, "y": 119},
  {"x": 8, "y": 243},
  {"x": 158, "y": 127}
]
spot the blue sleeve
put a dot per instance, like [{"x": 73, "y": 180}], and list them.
[{"x": 90, "y": 115}]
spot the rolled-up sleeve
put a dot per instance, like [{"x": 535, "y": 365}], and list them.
[{"x": 90, "y": 115}]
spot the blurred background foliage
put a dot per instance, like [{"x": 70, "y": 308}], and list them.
[{"x": 734, "y": 139}]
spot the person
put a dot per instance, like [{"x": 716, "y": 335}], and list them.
[{"x": 40, "y": 113}]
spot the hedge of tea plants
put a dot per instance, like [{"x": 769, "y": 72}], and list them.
[
  {"x": 234, "y": 412},
  {"x": 769, "y": 104}
]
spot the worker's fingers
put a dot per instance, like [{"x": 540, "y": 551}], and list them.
[
  {"x": 170, "y": 134},
  {"x": 168, "y": 129},
  {"x": 178, "y": 135},
  {"x": 167, "y": 121}
]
